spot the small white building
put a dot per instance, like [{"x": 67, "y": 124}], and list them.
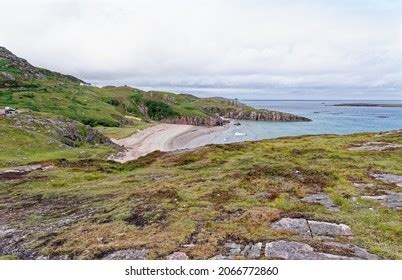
[{"x": 7, "y": 111}]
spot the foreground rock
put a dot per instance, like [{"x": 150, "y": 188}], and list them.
[
  {"x": 365, "y": 186},
  {"x": 19, "y": 171},
  {"x": 127, "y": 255},
  {"x": 12, "y": 244},
  {"x": 178, "y": 256},
  {"x": 291, "y": 250},
  {"x": 234, "y": 250},
  {"x": 351, "y": 249},
  {"x": 309, "y": 228},
  {"x": 390, "y": 200},
  {"x": 329, "y": 229},
  {"x": 322, "y": 199},
  {"x": 298, "y": 226},
  {"x": 388, "y": 178},
  {"x": 375, "y": 146}
]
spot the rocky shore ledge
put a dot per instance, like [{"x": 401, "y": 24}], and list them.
[{"x": 220, "y": 117}]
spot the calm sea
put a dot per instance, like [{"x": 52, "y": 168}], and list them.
[{"x": 327, "y": 119}]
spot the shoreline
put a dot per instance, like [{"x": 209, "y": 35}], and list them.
[{"x": 164, "y": 137}]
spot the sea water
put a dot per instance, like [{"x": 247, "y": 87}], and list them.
[{"x": 326, "y": 119}]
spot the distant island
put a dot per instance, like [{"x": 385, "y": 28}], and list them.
[{"x": 367, "y": 105}]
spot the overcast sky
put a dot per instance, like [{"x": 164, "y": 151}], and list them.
[{"x": 301, "y": 49}]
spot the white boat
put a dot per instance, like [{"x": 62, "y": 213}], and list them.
[{"x": 240, "y": 134}]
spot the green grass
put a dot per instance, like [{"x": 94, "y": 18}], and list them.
[
  {"x": 108, "y": 106},
  {"x": 7, "y": 258},
  {"x": 123, "y": 132},
  {"x": 77, "y": 103},
  {"x": 4, "y": 67}
]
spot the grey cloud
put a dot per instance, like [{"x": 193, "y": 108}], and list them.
[{"x": 252, "y": 46}]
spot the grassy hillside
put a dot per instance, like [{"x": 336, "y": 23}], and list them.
[
  {"x": 88, "y": 208},
  {"x": 24, "y": 86},
  {"x": 29, "y": 138}
]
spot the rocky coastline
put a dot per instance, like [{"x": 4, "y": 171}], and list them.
[{"x": 221, "y": 118}]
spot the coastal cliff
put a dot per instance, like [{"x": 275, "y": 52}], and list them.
[
  {"x": 197, "y": 121},
  {"x": 265, "y": 116},
  {"x": 244, "y": 112},
  {"x": 221, "y": 119},
  {"x": 191, "y": 110}
]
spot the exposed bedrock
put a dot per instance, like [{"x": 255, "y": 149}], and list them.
[
  {"x": 198, "y": 121},
  {"x": 219, "y": 117},
  {"x": 264, "y": 116}
]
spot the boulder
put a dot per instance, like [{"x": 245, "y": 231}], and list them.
[
  {"x": 390, "y": 200},
  {"x": 291, "y": 250},
  {"x": 298, "y": 226},
  {"x": 353, "y": 249},
  {"x": 322, "y": 199},
  {"x": 329, "y": 229},
  {"x": 130, "y": 254},
  {"x": 178, "y": 256},
  {"x": 309, "y": 228},
  {"x": 252, "y": 251},
  {"x": 388, "y": 178},
  {"x": 234, "y": 249}
]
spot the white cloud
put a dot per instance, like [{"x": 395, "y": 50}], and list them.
[{"x": 220, "y": 44}]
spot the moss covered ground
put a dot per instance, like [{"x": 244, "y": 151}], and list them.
[{"x": 164, "y": 201}]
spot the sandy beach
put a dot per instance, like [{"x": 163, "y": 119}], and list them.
[{"x": 164, "y": 137}]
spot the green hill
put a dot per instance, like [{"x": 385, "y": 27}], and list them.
[{"x": 24, "y": 86}]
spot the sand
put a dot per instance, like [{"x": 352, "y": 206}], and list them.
[{"x": 164, "y": 137}]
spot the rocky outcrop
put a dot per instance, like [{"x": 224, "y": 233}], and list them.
[
  {"x": 7, "y": 80},
  {"x": 388, "y": 178},
  {"x": 219, "y": 117},
  {"x": 292, "y": 250},
  {"x": 390, "y": 199},
  {"x": 178, "y": 256},
  {"x": 309, "y": 228},
  {"x": 198, "y": 121},
  {"x": 23, "y": 70},
  {"x": 323, "y": 199},
  {"x": 68, "y": 132},
  {"x": 130, "y": 254},
  {"x": 264, "y": 115},
  {"x": 27, "y": 70},
  {"x": 244, "y": 112}
]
